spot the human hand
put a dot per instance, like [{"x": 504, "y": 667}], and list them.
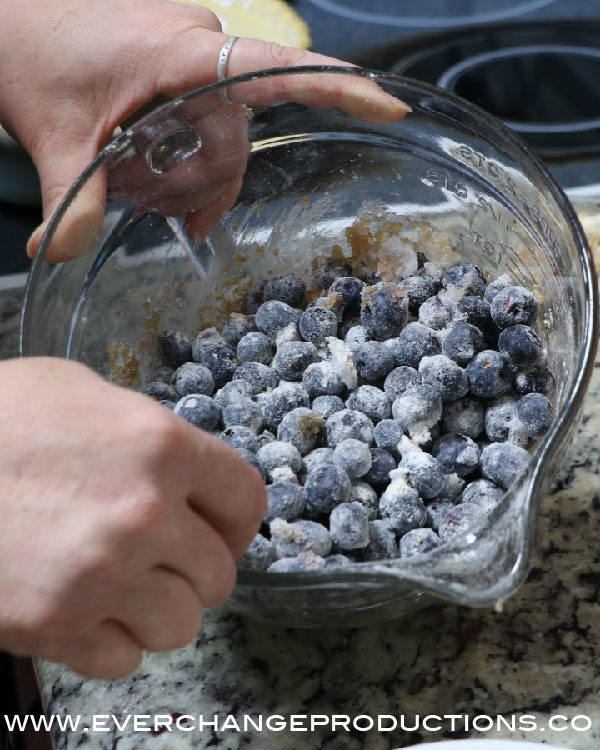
[
  {"x": 110, "y": 551},
  {"x": 72, "y": 71}
]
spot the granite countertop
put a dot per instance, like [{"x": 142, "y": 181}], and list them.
[{"x": 538, "y": 656}]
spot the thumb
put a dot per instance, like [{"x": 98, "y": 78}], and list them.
[{"x": 58, "y": 168}]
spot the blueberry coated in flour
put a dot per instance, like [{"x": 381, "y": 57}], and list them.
[
  {"x": 521, "y": 345},
  {"x": 316, "y": 324},
  {"x": 254, "y": 347},
  {"x": 237, "y": 327},
  {"x": 199, "y": 410},
  {"x": 384, "y": 310},
  {"x": 361, "y": 421},
  {"x": 349, "y": 526},
  {"x": 191, "y": 377},
  {"x": 374, "y": 361},
  {"x": 415, "y": 342},
  {"x": 288, "y": 288},
  {"x": 513, "y": 305}
]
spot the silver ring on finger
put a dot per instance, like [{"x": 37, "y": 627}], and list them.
[{"x": 222, "y": 64}]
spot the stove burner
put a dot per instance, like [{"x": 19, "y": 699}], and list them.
[
  {"x": 471, "y": 11},
  {"x": 540, "y": 79}
]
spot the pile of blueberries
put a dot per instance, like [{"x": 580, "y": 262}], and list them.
[{"x": 384, "y": 417}]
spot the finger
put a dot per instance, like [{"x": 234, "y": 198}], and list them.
[
  {"x": 191, "y": 61},
  {"x": 106, "y": 652},
  {"x": 162, "y": 611},
  {"x": 228, "y": 493},
  {"x": 58, "y": 168}
]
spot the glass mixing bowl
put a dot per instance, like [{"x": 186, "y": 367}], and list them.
[{"x": 299, "y": 185}]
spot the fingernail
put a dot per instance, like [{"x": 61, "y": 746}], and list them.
[
  {"x": 34, "y": 241},
  {"x": 400, "y": 104}
]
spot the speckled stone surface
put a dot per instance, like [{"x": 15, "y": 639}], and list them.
[{"x": 540, "y": 656}]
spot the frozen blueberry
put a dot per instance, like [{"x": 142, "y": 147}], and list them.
[
  {"x": 264, "y": 438},
  {"x": 388, "y": 434},
  {"x": 277, "y": 403},
  {"x": 489, "y": 374},
  {"x": 259, "y": 555},
  {"x": 459, "y": 519},
  {"x": 382, "y": 463},
  {"x": 463, "y": 343},
  {"x": 254, "y": 347},
  {"x": 350, "y": 288},
  {"x": 452, "y": 489},
  {"x": 418, "y": 541},
  {"x": 372, "y": 401},
  {"x": 239, "y": 436},
  {"x": 258, "y": 376},
  {"x": 232, "y": 392},
  {"x": 536, "y": 414},
  {"x": 434, "y": 314},
  {"x": 255, "y": 296},
  {"x": 276, "y": 454},
  {"x": 496, "y": 286},
  {"x": 325, "y": 487},
  {"x": 298, "y": 564},
  {"x": 218, "y": 357},
  {"x": 193, "y": 378},
  {"x": 538, "y": 380},
  {"x": 384, "y": 310},
  {"x": 322, "y": 379},
  {"x": 503, "y": 462},
  {"x": 175, "y": 348},
  {"x": 349, "y": 526},
  {"x": 292, "y": 538},
  {"x": 466, "y": 277},
  {"x": 205, "y": 342},
  {"x": 167, "y": 403},
  {"x": 284, "y": 500},
  {"x": 364, "y": 494},
  {"x": 353, "y": 457},
  {"x": 237, "y": 327},
  {"x": 415, "y": 342},
  {"x": 244, "y": 412},
  {"x": 316, "y": 324},
  {"x": 419, "y": 408},
  {"x": 349, "y": 424},
  {"x": 316, "y": 458},
  {"x": 465, "y": 416},
  {"x": 288, "y": 288},
  {"x": 513, "y": 305},
  {"x": 293, "y": 358},
  {"x": 436, "y": 512},
  {"x": 475, "y": 311},
  {"x": 401, "y": 506},
  {"x": 502, "y": 422},
  {"x": 325, "y": 406},
  {"x": 418, "y": 290},
  {"x": 327, "y": 270},
  {"x": 355, "y": 336},
  {"x": 457, "y": 454},
  {"x": 303, "y": 428},
  {"x": 273, "y": 316},
  {"x": 400, "y": 379},
  {"x": 484, "y": 493},
  {"x": 382, "y": 542},
  {"x": 423, "y": 471},
  {"x": 521, "y": 345},
  {"x": 374, "y": 361},
  {"x": 336, "y": 561},
  {"x": 334, "y": 302},
  {"x": 199, "y": 410},
  {"x": 159, "y": 391},
  {"x": 443, "y": 373}
]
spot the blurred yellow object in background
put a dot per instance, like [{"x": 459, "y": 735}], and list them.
[{"x": 270, "y": 20}]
